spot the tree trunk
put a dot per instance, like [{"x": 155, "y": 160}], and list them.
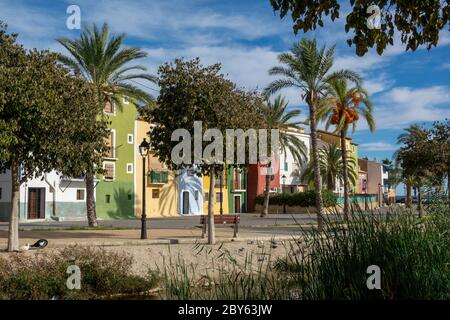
[
  {"x": 330, "y": 183},
  {"x": 13, "y": 234},
  {"x": 408, "y": 195},
  {"x": 90, "y": 200},
  {"x": 265, "y": 211},
  {"x": 316, "y": 162},
  {"x": 345, "y": 175},
  {"x": 448, "y": 185},
  {"x": 419, "y": 201},
  {"x": 211, "y": 227}
]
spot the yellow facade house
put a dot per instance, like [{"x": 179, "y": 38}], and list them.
[
  {"x": 217, "y": 191},
  {"x": 161, "y": 184}
]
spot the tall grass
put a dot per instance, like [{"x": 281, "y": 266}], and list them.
[{"x": 412, "y": 253}]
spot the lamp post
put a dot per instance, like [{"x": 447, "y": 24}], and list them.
[
  {"x": 221, "y": 194},
  {"x": 283, "y": 179},
  {"x": 143, "y": 150}
]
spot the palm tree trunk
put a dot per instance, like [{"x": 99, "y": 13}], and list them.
[
  {"x": 330, "y": 183},
  {"x": 265, "y": 211},
  {"x": 90, "y": 199},
  {"x": 211, "y": 226},
  {"x": 345, "y": 175},
  {"x": 13, "y": 232},
  {"x": 316, "y": 162},
  {"x": 408, "y": 195},
  {"x": 419, "y": 201}
]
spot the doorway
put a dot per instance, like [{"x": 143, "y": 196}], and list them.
[
  {"x": 237, "y": 204},
  {"x": 186, "y": 202},
  {"x": 36, "y": 203}
]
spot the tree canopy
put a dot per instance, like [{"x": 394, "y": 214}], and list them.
[{"x": 417, "y": 22}]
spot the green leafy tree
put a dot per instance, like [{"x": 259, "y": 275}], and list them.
[
  {"x": 42, "y": 109},
  {"x": 417, "y": 22},
  {"x": 278, "y": 118},
  {"x": 307, "y": 68},
  {"x": 342, "y": 108},
  {"x": 101, "y": 60},
  {"x": 440, "y": 151},
  {"x": 191, "y": 92},
  {"x": 414, "y": 159},
  {"x": 331, "y": 167}
]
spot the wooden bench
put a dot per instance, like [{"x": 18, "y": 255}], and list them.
[{"x": 221, "y": 219}]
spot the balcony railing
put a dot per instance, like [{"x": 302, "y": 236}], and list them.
[{"x": 158, "y": 177}]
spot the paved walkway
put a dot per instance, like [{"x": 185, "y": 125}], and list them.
[{"x": 174, "y": 230}]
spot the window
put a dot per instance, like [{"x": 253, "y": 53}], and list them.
[
  {"x": 80, "y": 194},
  {"x": 107, "y": 198},
  {"x": 109, "y": 107},
  {"x": 126, "y": 100},
  {"x": 206, "y": 195},
  {"x": 109, "y": 171},
  {"x": 237, "y": 180},
  {"x": 219, "y": 197},
  {"x": 130, "y": 138},
  {"x": 159, "y": 176},
  {"x": 155, "y": 193},
  {"x": 1, "y": 193},
  {"x": 129, "y": 168},
  {"x": 110, "y": 142},
  {"x": 285, "y": 166}
]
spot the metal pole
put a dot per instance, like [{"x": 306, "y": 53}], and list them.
[
  {"x": 221, "y": 194},
  {"x": 284, "y": 200},
  {"x": 143, "y": 215}
]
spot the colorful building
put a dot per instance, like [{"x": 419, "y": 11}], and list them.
[
  {"x": 115, "y": 190},
  {"x": 161, "y": 194},
  {"x": 220, "y": 193},
  {"x": 256, "y": 185},
  {"x": 353, "y": 150},
  {"x": 190, "y": 187},
  {"x": 237, "y": 189},
  {"x": 48, "y": 197},
  {"x": 291, "y": 169}
]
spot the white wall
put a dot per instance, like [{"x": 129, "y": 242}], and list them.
[{"x": 292, "y": 164}]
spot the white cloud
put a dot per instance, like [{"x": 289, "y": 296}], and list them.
[
  {"x": 402, "y": 106},
  {"x": 377, "y": 146}
]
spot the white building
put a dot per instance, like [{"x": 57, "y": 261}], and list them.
[
  {"x": 291, "y": 169},
  {"x": 50, "y": 197}
]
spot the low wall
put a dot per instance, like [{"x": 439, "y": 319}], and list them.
[{"x": 278, "y": 209}]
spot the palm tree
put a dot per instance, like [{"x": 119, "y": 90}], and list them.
[
  {"x": 342, "y": 107},
  {"x": 412, "y": 176},
  {"x": 331, "y": 167},
  {"x": 277, "y": 117},
  {"x": 307, "y": 68},
  {"x": 101, "y": 60}
]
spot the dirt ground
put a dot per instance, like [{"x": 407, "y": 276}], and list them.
[{"x": 202, "y": 258}]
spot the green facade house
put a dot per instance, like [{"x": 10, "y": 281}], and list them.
[
  {"x": 115, "y": 190},
  {"x": 237, "y": 189}
]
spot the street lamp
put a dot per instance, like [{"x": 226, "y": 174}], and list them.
[
  {"x": 283, "y": 179},
  {"x": 143, "y": 150}
]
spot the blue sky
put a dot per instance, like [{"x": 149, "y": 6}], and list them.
[{"x": 246, "y": 37}]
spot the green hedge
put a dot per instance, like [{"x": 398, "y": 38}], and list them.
[{"x": 300, "y": 199}]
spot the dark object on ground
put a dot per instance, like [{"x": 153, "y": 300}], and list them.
[{"x": 40, "y": 244}]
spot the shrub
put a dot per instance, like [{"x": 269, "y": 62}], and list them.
[
  {"x": 412, "y": 253},
  {"x": 43, "y": 275},
  {"x": 300, "y": 199}
]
